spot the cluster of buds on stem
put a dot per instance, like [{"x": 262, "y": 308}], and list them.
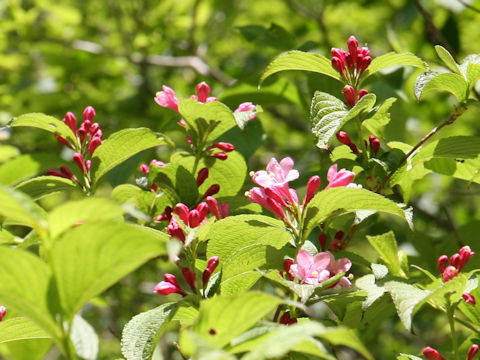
[
  {"x": 353, "y": 63},
  {"x": 343, "y": 137},
  {"x": 3, "y": 312},
  {"x": 169, "y": 286},
  {"x": 224, "y": 148},
  {"x": 431, "y": 353}
]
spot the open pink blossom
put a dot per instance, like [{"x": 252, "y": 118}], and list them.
[
  {"x": 339, "y": 178},
  {"x": 167, "y": 98},
  {"x": 247, "y": 106},
  {"x": 277, "y": 174},
  {"x": 315, "y": 269}
]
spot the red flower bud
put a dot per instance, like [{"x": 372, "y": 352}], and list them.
[
  {"x": 349, "y": 93},
  {"x": 194, "y": 218},
  {"x": 144, "y": 169},
  {"x": 94, "y": 143},
  {"x": 175, "y": 230},
  {"x": 431, "y": 353},
  {"x": 442, "y": 263},
  {"x": 220, "y": 156},
  {"x": 202, "y": 90},
  {"x": 182, "y": 211},
  {"x": 202, "y": 176},
  {"x": 465, "y": 254},
  {"x": 449, "y": 273},
  {"x": 212, "y": 263},
  {"x": 361, "y": 93},
  {"x": 469, "y": 298},
  {"x": 212, "y": 190},
  {"x": 455, "y": 260},
  {"x": 88, "y": 113},
  {"x": 3, "y": 312},
  {"x": 165, "y": 288},
  {"x": 322, "y": 240},
  {"x": 286, "y": 266},
  {"x": 312, "y": 186},
  {"x": 202, "y": 209},
  {"x": 67, "y": 172},
  {"x": 352, "y": 44},
  {"x": 88, "y": 165},
  {"x": 343, "y": 137},
  {"x": 55, "y": 172},
  {"x": 338, "y": 64},
  {"x": 472, "y": 351},
  {"x": 374, "y": 143},
  {"x": 224, "y": 146},
  {"x": 276, "y": 208},
  {"x": 213, "y": 206},
  {"x": 78, "y": 158},
  {"x": 62, "y": 141},
  {"x": 189, "y": 276},
  {"x": 287, "y": 320},
  {"x": 71, "y": 121}
]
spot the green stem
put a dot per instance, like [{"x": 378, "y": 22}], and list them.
[{"x": 451, "y": 321}]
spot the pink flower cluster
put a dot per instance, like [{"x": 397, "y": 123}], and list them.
[
  {"x": 431, "y": 353},
  {"x": 315, "y": 269},
  {"x": 89, "y": 135}
]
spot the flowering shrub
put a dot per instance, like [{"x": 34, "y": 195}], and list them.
[{"x": 294, "y": 250}]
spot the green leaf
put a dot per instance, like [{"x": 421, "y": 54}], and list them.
[
  {"x": 243, "y": 244},
  {"x": 374, "y": 292},
  {"x": 299, "y": 60},
  {"x": 212, "y": 117},
  {"x": 8, "y": 152},
  {"x": 26, "y": 166},
  {"x": 230, "y": 174},
  {"x": 408, "y": 357},
  {"x": 386, "y": 246},
  {"x": 31, "y": 349},
  {"x": 20, "y": 328},
  {"x": 452, "y": 83},
  {"x": 470, "y": 68},
  {"x": 380, "y": 118},
  {"x": 406, "y": 298},
  {"x": 25, "y": 288},
  {"x": 44, "y": 185},
  {"x": 48, "y": 123},
  {"x": 342, "y": 200},
  {"x": 90, "y": 258},
  {"x": 393, "y": 59},
  {"x": 84, "y": 339},
  {"x": 185, "y": 314},
  {"x": 142, "y": 332},
  {"x": 119, "y": 147},
  {"x": 75, "y": 213},
  {"x": 329, "y": 114},
  {"x": 229, "y": 316},
  {"x": 447, "y": 59},
  {"x": 6, "y": 237},
  {"x": 21, "y": 209}
]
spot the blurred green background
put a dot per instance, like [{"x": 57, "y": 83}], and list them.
[{"x": 59, "y": 56}]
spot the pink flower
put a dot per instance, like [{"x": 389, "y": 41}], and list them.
[
  {"x": 277, "y": 174},
  {"x": 258, "y": 195},
  {"x": 247, "y": 106},
  {"x": 169, "y": 286},
  {"x": 202, "y": 90},
  {"x": 315, "y": 269},
  {"x": 167, "y": 98},
  {"x": 339, "y": 178}
]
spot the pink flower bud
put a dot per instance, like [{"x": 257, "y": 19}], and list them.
[
  {"x": 94, "y": 144},
  {"x": 88, "y": 114},
  {"x": 194, "y": 218},
  {"x": 364, "y": 51},
  {"x": 67, "y": 172},
  {"x": 202, "y": 209},
  {"x": 431, "y": 353},
  {"x": 312, "y": 186},
  {"x": 374, "y": 143},
  {"x": 189, "y": 276},
  {"x": 3, "y": 312},
  {"x": 144, "y": 169},
  {"x": 442, "y": 263},
  {"x": 322, "y": 240},
  {"x": 78, "y": 158},
  {"x": 343, "y": 137},
  {"x": 82, "y": 133},
  {"x": 212, "y": 263},
  {"x": 171, "y": 279},
  {"x": 469, "y": 298},
  {"x": 165, "y": 288},
  {"x": 352, "y": 44},
  {"x": 212, "y": 190},
  {"x": 361, "y": 93},
  {"x": 182, "y": 211},
  {"x": 71, "y": 121},
  {"x": 167, "y": 215},
  {"x": 189, "y": 140},
  {"x": 157, "y": 163},
  {"x": 338, "y": 64},
  {"x": 224, "y": 146},
  {"x": 365, "y": 63},
  {"x": 339, "y": 53},
  {"x": 465, "y": 254},
  {"x": 455, "y": 260},
  {"x": 94, "y": 128},
  {"x": 349, "y": 93},
  {"x": 223, "y": 208},
  {"x": 276, "y": 208},
  {"x": 449, "y": 273},
  {"x": 167, "y": 98},
  {"x": 220, "y": 156},
  {"x": 55, "y": 172},
  {"x": 175, "y": 230},
  {"x": 286, "y": 266},
  {"x": 202, "y": 176},
  {"x": 88, "y": 165},
  {"x": 472, "y": 351},
  {"x": 213, "y": 206},
  {"x": 202, "y": 90},
  {"x": 62, "y": 141}
]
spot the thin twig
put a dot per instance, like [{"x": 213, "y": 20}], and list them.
[{"x": 450, "y": 120}]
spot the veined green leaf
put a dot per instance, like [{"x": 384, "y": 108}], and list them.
[
  {"x": 48, "y": 123},
  {"x": 380, "y": 118},
  {"x": 329, "y": 114},
  {"x": 342, "y": 200},
  {"x": 453, "y": 83},
  {"x": 386, "y": 246},
  {"x": 44, "y": 185},
  {"x": 447, "y": 59},
  {"x": 229, "y": 316},
  {"x": 212, "y": 117},
  {"x": 90, "y": 258},
  {"x": 25, "y": 288},
  {"x": 119, "y": 147},
  {"x": 142, "y": 332},
  {"x": 374, "y": 292},
  {"x": 299, "y": 60},
  {"x": 470, "y": 68},
  {"x": 393, "y": 59},
  {"x": 20, "y": 328}
]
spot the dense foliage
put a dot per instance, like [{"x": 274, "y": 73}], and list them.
[{"x": 314, "y": 198}]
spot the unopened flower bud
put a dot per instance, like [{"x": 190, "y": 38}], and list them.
[
  {"x": 431, "y": 353},
  {"x": 202, "y": 176},
  {"x": 365, "y": 63},
  {"x": 189, "y": 276},
  {"x": 67, "y": 172},
  {"x": 88, "y": 165},
  {"x": 55, "y": 172},
  {"x": 71, "y": 121},
  {"x": 472, "y": 351},
  {"x": 374, "y": 143},
  {"x": 352, "y": 44},
  {"x": 88, "y": 113},
  {"x": 223, "y": 208},
  {"x": 469, "y": 298},
  {"x": 442, "y": 263},
  {"x": 202, "y": 90},
  {"x": 343, "y": 137},
  {"x": 349, "y": 93},
  {"x": 213, "y": 206},
  {"x": 211, "y": 266},
  {"x": 312, "y": 186},
  {"x": 287, "y": 320},
  {"x": 449, "y": 273},
  {"x": 361, "y": 93},
  {"x": 220, "y": 156},
  {"x": 171, "y": 279},
  {"x": 212, "y": 190},
  {"x": 3, "y": 312},
  {"x": 62, "y": 141},
  {"x": 465, "y": 254},
  {"x": 322, "y": 240},
  {"x": 78, "y": 158},
  {"x": 455, "y": 260},
  {"x": 224, "y": 146},
  {"x": 276, "y": 208},
  {"x": 194, "y": 218},
  {"x": 175, "y": 230},
  {"x": 287, "y": 263},
  {"x": 144, "y": 169},
  {"x": 94, "y": 144},
  {"x": 338, "y": 64},
  {"x": 182, "y": 211}
]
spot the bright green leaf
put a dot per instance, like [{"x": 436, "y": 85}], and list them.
[
  {"x": 379, "y": 119},
  {"x": 44, "y": 185},
  {"x": 386, "y": 246},
  {"x": 374, "y": 292},
  {"x": 26, "y": 166},
  {"x": 299, "y": 60},
  {"x": 119, "y": 147},
  {"x": 393, "y": 59},
  {"x": 142, "y": 332},
  {"x": 447, "y": 59},
  {"x": 470, "y": 68},
  {"x": 20, "y": 328},
  {"x": 453, "y": 83}
]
